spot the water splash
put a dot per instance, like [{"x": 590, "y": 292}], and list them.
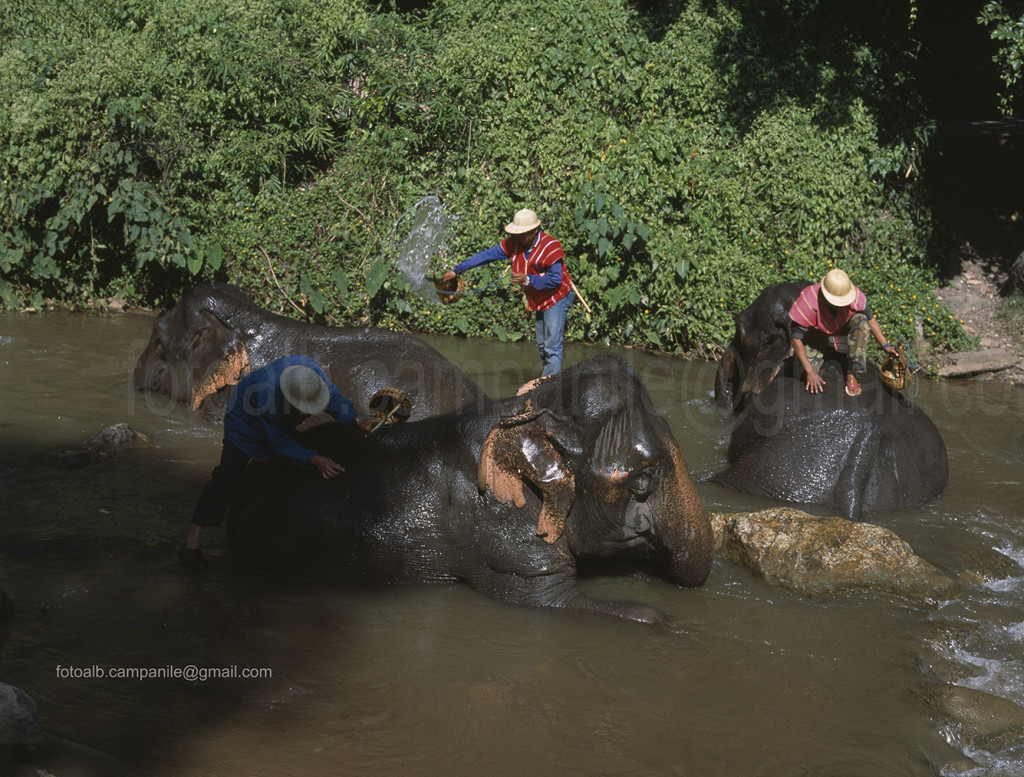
[{"x": 426, "y": 226}]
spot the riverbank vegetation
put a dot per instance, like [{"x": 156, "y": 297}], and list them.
[{"x": 685, "y": 157}]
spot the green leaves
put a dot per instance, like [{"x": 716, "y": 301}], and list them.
[
  {"x": 1008, "y": 31},
  {"x": 212, "y": 254},
  {"x": 685, "y": 159},
  {"x": 605, "y": 225},
  {"x": 375, "y": 280}
]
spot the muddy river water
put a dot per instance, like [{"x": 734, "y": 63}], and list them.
[{"x": 440, "y": 680}]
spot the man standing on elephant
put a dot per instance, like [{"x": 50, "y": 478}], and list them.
[
  {"x": 538, "y": 266},
  {"x": 823, "y": 313},
  {"x": 264, "y": 409}
]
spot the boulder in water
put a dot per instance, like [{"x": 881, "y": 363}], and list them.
[{"x": 822, "y": 556}]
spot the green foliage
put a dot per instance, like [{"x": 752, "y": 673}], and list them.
[
  {"x": 685, "y": 158},
  {"x": 1005, "y": 19}
]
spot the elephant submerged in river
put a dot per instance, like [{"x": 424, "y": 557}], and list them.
[
  {"x": 876, "y": 451},
  {"x": 215, "y": 334},
  {"x": 506, "y": 497}
]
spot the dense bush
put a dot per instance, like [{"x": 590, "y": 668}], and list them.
[
  {"x": 1005, "y": 20},
  {"x": 685, "y": 158}
]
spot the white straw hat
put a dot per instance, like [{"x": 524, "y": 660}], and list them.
[
  {"x": 524, "y": 221},
  {"x": 837, "y": 288},
  {"x": 304, "y": 389}
]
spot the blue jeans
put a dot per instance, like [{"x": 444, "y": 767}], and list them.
[{"x": 550, "y": 328}]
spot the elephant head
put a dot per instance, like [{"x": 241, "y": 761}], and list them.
[
  {"x": 609, "y": 472},
  {"x": 193, "y": 350},
  {"x": 759, "y": 346},
  {"x": 215, "y": 334}
]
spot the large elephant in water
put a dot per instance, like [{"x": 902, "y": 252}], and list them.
[
  {"x": 759, "y": 347},
  {"x": 876, "y": 451},
  {"x": 506, "y": 498},
  {"x": 215, "y": 334}
]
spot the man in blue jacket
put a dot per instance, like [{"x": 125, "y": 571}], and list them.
[{"x": 265, "y": 408}]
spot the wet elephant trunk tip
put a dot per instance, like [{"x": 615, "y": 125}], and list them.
[{"x": 691, "y": 565}]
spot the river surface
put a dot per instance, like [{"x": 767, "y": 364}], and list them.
[{"x": 439, "y": 680}]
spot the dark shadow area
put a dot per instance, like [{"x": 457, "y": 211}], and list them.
[
  {"x": 89, "y": 562},
  {"x": 973, "y": 170},
  {"x": 958, "y": 80},
  {"x": 974, "y": 185},
  {"x": 816, "y": 52}
]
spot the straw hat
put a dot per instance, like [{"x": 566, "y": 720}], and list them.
[
  {"x": 837, "y": 288},
  {"x": 524, "y": 221},
  {"x": 304, "y": 389}
]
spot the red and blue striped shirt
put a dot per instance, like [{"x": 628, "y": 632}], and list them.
[{"x": 812, "y": 311}]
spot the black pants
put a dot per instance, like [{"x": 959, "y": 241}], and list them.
[{"x": 217, "y": 494}]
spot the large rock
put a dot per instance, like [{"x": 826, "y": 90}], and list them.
[
  {"x": 1015, "y": 276},
  {"x": 821, "y": 556},
  {"x": 119, "y": 437},
  {"x": 19, "y": 725},
  {"x": 962, "y": 365},
  {"x": 112, "y": 440},
  {"x": 981, "y": 719}
]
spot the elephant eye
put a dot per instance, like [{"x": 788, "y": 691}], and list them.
[
  {"x": 197, "y": 338},
  {"x": 641, "y": 483}
]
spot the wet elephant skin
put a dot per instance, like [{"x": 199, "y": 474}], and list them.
[
  {"x": 877, "y": 451},
  {"x": 505, "y": 498},
  {"x": 215, "y": 334}
]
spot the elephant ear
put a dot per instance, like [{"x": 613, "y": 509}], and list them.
[
  {"x": 530, "y": 385},
  {"x": 526, "y": 452}
]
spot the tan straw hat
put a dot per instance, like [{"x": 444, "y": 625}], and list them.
[
  {"x": 304, "y": 389},
  {"x": 524, "y": 221},
  {"x": 837, "y": 288}
]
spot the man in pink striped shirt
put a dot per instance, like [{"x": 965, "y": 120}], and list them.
[
  {"x": 538, "y": 266},
  {"x": 822, "y": 314}
]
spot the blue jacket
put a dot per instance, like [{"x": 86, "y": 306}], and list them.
[{"x": 261, "y": 423}]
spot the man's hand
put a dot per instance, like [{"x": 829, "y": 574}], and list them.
[
  {"x": 519, "y": 279},
  {"x": 448, "y": 276},
  {"x": 366, "y": 424},
  {"x": 329, "y": 468},
  {"x": 815, "y": 383},
  {"x": 890, "y": 349}
]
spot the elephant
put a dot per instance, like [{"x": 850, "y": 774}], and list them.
[
  {"x": 759, "y": 347},
  {"x": 215, "y": 334},
  {"x": 506, "y": 497},
  {"x": 876, "y": 451}
]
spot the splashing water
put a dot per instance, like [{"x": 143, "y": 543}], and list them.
[{"x": 426, "y": 238}]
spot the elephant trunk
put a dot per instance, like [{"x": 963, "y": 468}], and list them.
[
  {"x": 683, "y": 527},
  {"x": 727, "y": 379}
]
